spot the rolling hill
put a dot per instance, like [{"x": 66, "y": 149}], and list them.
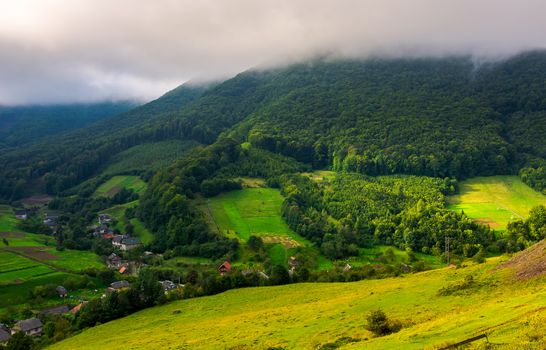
[{"x": 436, "y": 308}]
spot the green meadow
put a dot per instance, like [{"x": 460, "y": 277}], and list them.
[
  {"x": 495, "y": 200},
  {"x": 321, "y": 315},
  {"x": 252, "y": 211},
  {"x": 117, "y": 183}
]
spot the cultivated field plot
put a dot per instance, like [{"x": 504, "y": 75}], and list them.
[
  {"x": 117, "y": 183},
  {"x": 495, "y": 200},
  {"x": 252, "y": 211},
  {"x": 17, "y": 269}
]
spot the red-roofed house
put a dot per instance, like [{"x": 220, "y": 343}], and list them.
[{"x": 225, "y": 267}]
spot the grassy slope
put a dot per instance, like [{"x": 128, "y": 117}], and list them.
[
  {"x": 496, "y": 200},
  {"x": 252, "y": 211},
  {"x": 304, "y": 316},
  {"x": 140, "y": 230},
  {"x": 116, "y": 183}
]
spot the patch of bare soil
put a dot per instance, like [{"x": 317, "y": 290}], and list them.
[
  {"x": 529, "y": 263},
  {"x": 487, "y": 221},
  {"x": 38, "y": 253},
  {"x": 113, "y": 191},
  {"x": 12, "y": 235},
  {"x": 287, "y": 242}
]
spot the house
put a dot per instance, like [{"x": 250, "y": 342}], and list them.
[
  {"x": 61, "y": 291},
  {"x": 113, "y": 261},
  {"x": 21, "y": 214},
  {"x": 167, "y": 285},
  {"x": 293, "y": 263},
  {"x": 32, "y": 326},
  {"x": 103, "y": 230},
  {"x": 59, "y": 310},
  {"x": 123, "y": 270},
  {"x": 347, "y": 268},
  {"x": 129, "y": 243},
  {"x": 118, "y": 285},
  {"x": 5, "y": 334},
  {"x": 116, "y": 240},
  {"x": 104, "y": 219},
  {"x": 225, "y": 267}
]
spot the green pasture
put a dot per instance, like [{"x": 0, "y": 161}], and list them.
[
  {"x": 495, "y": 200},
  {"x": 117, "y": 183}
]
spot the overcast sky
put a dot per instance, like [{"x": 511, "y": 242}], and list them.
[{"x": 57, "y": 51}]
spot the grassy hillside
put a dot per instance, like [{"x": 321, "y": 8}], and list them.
[
  {"x": 117, "y": 183},
  {"x": 252, "y": 211},
  {"x": 308, "y": 316},
  {"x": 495, "y": 200}
]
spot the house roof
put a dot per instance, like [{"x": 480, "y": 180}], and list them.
[
  {"x": 131, "y": 241},
  {"x": 78, "y": 307},
  {"x": 117, "y": 239},
  {"x": 4, "y": 335},
  {"x": 59, "y": 310},
  {"x": 61, "y": 290},
  {"x": 30, "y": 324},
  {"x": 225, "y": 265},
  {"x": 20, "y": 212},
  {"x": 113, "y": 256},
  {"x": 123, "y": 270},
  {"x": 119, "y": 284}
]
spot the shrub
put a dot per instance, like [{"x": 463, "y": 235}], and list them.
[{"x": 379, "y": 324}]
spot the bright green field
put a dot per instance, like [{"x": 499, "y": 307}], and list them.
[
  {"x": 116, "y": 183},
  {"x": 495, "y": 200},
  {"x": 8, "y": 221},
  {"x": 306, "y": 316},
  {"x": 251, "y": 211}
]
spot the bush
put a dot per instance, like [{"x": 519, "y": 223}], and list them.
[{"x": 379, "y": 324}]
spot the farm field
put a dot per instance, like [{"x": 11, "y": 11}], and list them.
[
  {"x": 495, "y": 200},
  {"x": 117, "y": 183},
  {"x": 311, "y": 316}
]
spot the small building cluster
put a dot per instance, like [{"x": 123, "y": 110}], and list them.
[{"x": 51, "y": 220}]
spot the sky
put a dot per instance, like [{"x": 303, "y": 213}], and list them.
[{"x": 72, "y": 51}]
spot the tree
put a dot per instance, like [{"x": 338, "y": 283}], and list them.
[
  {"x": 279, "y": 275},
  {"x": 20, "y": 341},
  {"x": 148, "y": 289},
  {"x": 255, "y": 243}
]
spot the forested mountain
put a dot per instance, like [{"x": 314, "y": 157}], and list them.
[
  {"x": 58, "y": 163},
  {"x": 434, "y": 117},
  {"x": 28, "y": 124}
]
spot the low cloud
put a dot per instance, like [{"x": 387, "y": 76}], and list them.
[{"x": 55, "y": 51}]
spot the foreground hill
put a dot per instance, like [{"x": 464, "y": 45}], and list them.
[{"x": 436, "y": 308}]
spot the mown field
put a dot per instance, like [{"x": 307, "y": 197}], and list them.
[
  {"x": 117, "y": 183},
  {"x": 311, "y": 316},
  {"x": 495, "y": 200},
  {"x": 257, "y": 211}
]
